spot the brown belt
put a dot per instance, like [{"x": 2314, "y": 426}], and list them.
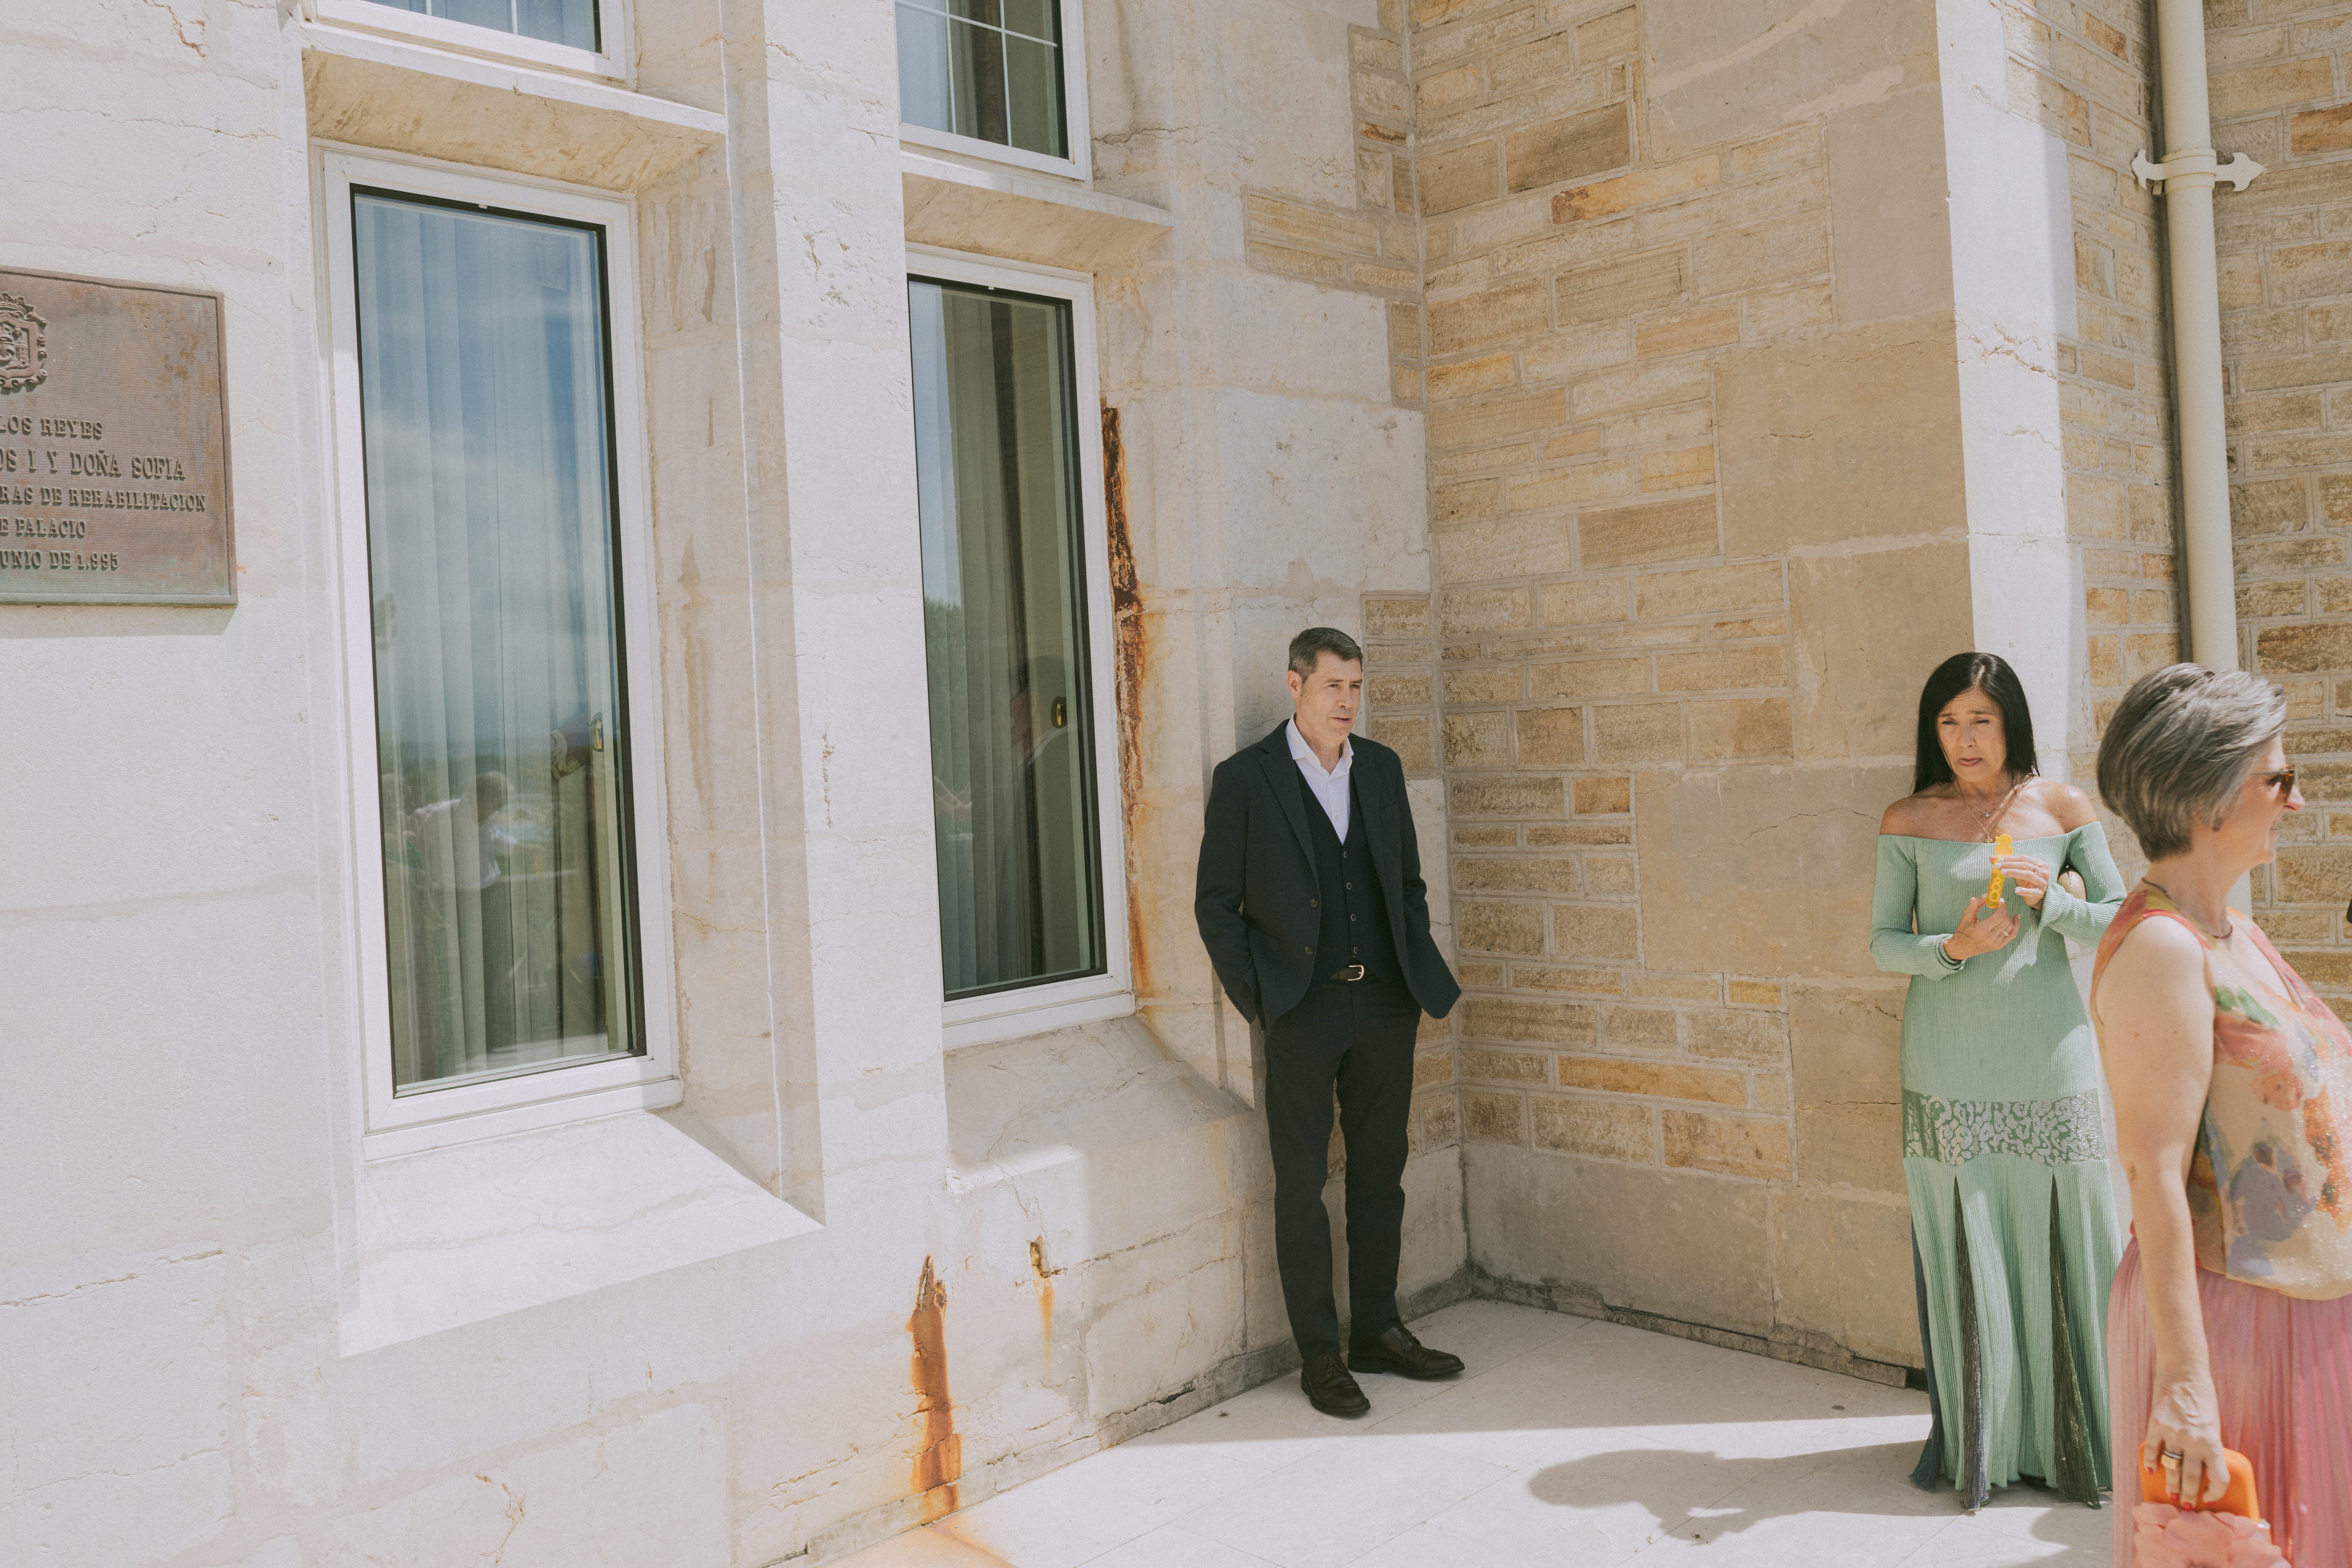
[{"x": 1351, "y": 975}]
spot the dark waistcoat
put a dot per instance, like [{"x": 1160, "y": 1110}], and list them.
[{"x": 1355, "y": 924}]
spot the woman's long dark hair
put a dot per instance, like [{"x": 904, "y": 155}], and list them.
[{"x": 1986, "y": 672}]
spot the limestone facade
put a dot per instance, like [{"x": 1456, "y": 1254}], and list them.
[
  {"x": 1659, "y": 389},
  {"x": 1750, "y": 397},
  {"x": 853, "y": 1279},
  {"x": 2281, "y": 94}
]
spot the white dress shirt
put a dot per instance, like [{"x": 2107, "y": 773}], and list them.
[{"x": 1330, "y": 788}]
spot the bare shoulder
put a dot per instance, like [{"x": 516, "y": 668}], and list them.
[
  {"x": 2069, "y": 806},
  {"x": 1909, "y": 817},
  {"x": 2155, "y": 978},
  {"x": 2160, "y": 938}
]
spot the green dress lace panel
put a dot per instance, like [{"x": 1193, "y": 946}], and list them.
[{"x": 2062, "y": 1132}]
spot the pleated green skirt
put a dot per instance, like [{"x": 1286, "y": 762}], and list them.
[{"x": 2013, "y": 1257}]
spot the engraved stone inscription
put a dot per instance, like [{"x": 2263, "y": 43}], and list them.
[{"x": 113, "y": 444}]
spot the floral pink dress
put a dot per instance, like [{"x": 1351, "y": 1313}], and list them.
[{"x": 2269, "y": 1201}]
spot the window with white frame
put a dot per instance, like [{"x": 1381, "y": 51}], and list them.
[
  {"x": 1014, "y": 591},
  {"x": 581, "y": 35},
  {"x": 493, "y": 539},
  {"x": 998, "y": 78}
]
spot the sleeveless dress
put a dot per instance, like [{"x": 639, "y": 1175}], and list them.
[
  {"x": 2270, "y": 1207},
  {"x": 2005, "y": 1158}
]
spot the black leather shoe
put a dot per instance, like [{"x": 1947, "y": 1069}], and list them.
[
  {"x": 1398, "y": 1352},
  {"x": 1329, "y": 1388}
]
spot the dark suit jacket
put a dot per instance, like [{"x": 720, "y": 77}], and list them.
[{"x": 1254, "y": 896}]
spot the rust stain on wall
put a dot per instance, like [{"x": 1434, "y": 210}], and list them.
[
  {"x": 1131, "y": 655},
  {"x": 1044, "y": 1298},
  {"x": 939, "y": 1462}
]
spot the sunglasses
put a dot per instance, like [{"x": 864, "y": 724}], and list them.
[{"x": 2282, "y": 782}]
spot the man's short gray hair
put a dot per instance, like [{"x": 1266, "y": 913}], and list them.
[
  {"x": 1312, "y": 644},
  {"x": 2179, "y": 747}
]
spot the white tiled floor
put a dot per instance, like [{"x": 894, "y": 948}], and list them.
[{"x": 1566, "y": 1444}]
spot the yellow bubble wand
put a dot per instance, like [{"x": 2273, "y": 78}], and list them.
[{"x": 2000, "y": 845}]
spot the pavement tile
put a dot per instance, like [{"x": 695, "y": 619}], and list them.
[
  {"x": 1083, "y": 1510},
  {"x": 1567, "y": 1442}
]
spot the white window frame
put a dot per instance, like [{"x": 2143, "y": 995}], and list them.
[
  {"x": 1079, "y": 166},
  {"x": 613, "y": 62},
  {"x": 1033, "y": 1009},
  {"x": 424, "y": 1119}
]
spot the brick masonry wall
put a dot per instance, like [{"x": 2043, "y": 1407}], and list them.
[{"x": 2281, "y": 77}]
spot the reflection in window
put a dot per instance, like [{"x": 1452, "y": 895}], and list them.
[
  {"x": 1013, "y": 786},
  {"x": 568, "y": 21},
  {"x": 500, "y": 733},
  {"x": 986, "y": 69}
]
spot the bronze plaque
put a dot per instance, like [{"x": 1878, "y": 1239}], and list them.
[{"x": 113, "y": 444}]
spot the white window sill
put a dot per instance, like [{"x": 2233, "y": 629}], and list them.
[
  {"x": 1082, "y": 1002},
  {"x": 471, "y": 1125},
  {"x": 391, "y": 94},
  {"x": 1022, "y": 216},
  {"x": 458, "y": 37},
  {"x": 973, "y": 150},
  {"x": 457, "y": 1234}
]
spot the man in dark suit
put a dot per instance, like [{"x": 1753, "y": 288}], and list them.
[{"x": 1312, "y": 906}]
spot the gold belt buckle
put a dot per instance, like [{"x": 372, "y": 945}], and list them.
[{"x": 1350, "y": 975}]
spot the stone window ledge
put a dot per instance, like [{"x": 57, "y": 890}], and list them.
[
  {"x": 1020, "y": 1108},
  {"x": 402, "y": 96},
  {"x": 1022, "y": 217},
  {"x": 457, "y": 1234}
]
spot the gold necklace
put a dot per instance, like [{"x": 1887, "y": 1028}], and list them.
[
  {"x": 2192, "y": 919},
  {"x": 1989, "y": 817}
]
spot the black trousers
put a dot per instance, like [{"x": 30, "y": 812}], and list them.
[{"x": 1359, "y": 1038}]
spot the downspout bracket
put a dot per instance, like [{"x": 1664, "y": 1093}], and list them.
[{"x": 2190, "y": 163}]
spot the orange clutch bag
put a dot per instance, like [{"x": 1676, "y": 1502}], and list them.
[{"x": 2239, "y": 1500}]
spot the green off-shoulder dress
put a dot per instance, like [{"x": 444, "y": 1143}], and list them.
[{"x": 2005, "y": 1155}]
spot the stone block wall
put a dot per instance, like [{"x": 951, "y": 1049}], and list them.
[
  {"x": 2083, "y": 70},
  {"x": 1400, "y": 710},
  {"x": 1710, "y": 370},
  {"x": 1608, "y": 287},
  {"x": 2282, "y": 94},
  {"x": 1373, "y": 245}
]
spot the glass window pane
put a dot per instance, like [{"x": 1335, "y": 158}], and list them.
[
  {"x": 1034, "y": 18},
  {"x": 501, "y": 733},
  {"x": 571, "y": 23},
  {"x": 497, "y": 14},
  {"x": 923, "y": 97},
  {"x": 1033, "y": 94},
  {"x": 1013, "y": 784},
  {"x": 568, "y": 21},
  {"x": 976, "y": 65},
  {"x": 961, "y": 69}
]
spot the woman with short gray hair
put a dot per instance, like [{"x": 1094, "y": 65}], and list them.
[{"x": 2230, "y": 1323}]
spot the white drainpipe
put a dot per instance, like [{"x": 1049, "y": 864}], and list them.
[{"x": 2187, "y": 174}]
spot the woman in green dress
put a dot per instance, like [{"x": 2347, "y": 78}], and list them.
[{"x": 2004, "y": 1152}]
